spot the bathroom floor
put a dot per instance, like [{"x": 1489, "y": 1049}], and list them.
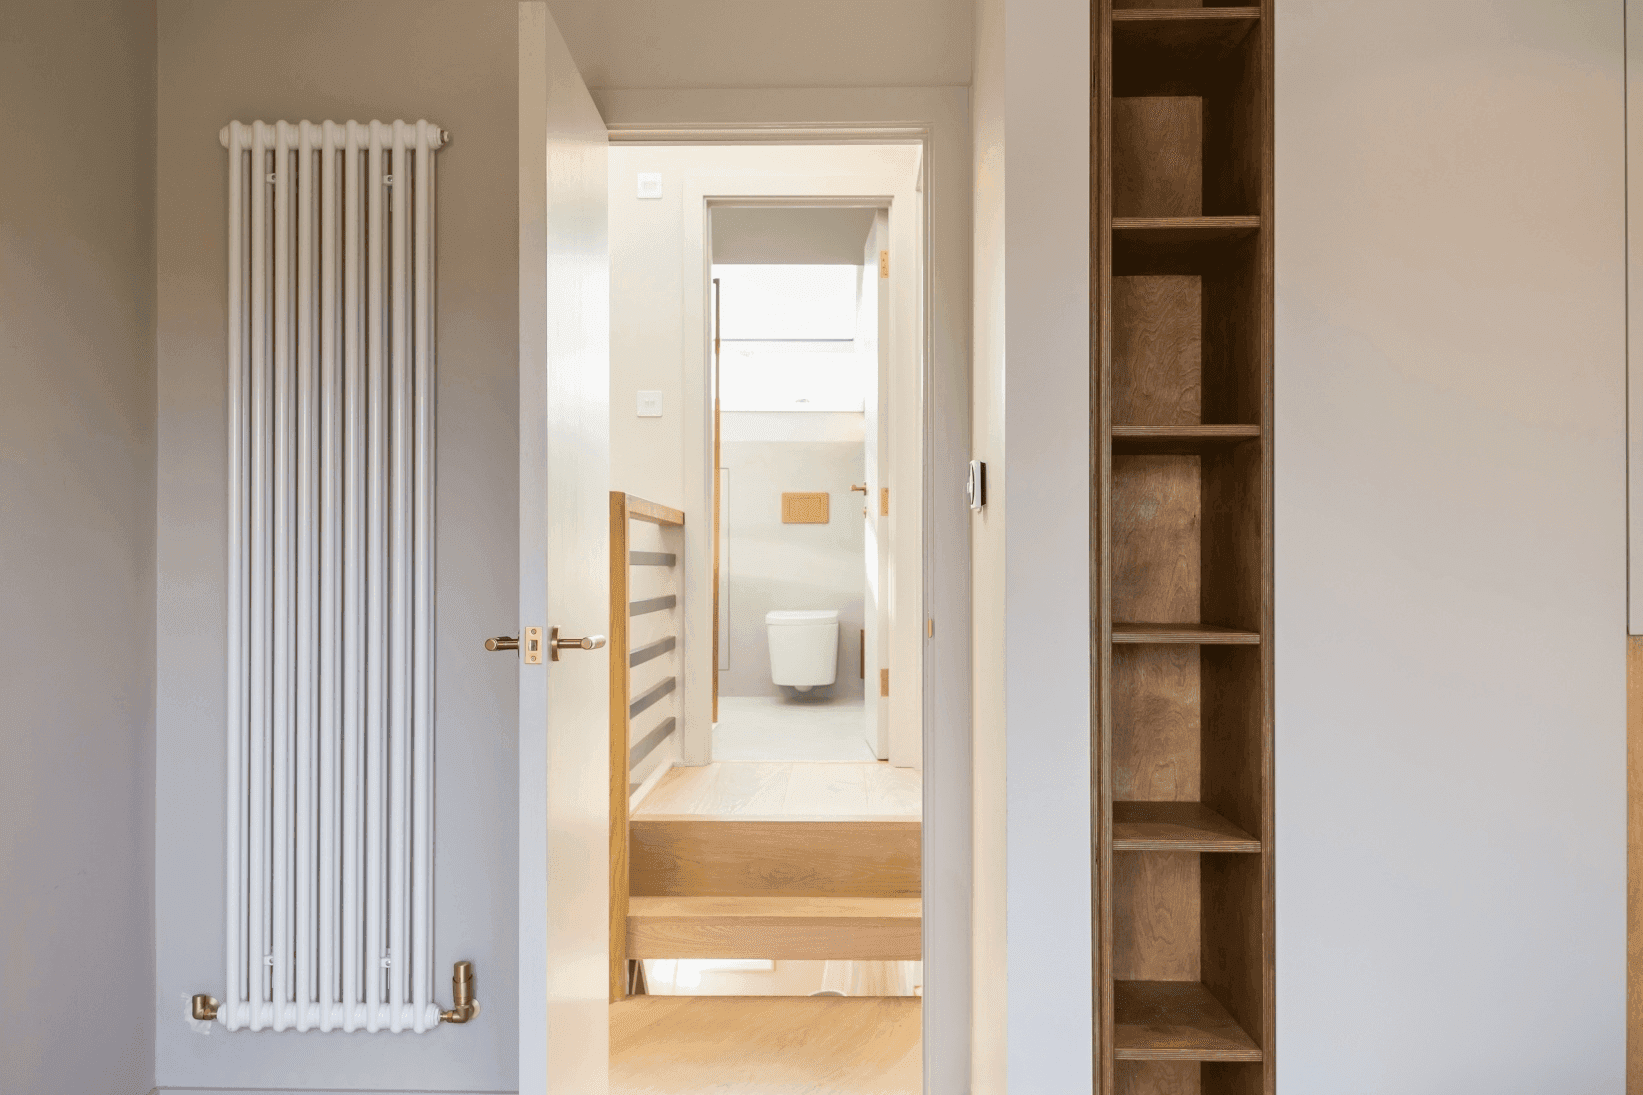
[{"x": 775, "y": 728}]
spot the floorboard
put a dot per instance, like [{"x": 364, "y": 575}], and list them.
[{"x": 739, "y": 1045}]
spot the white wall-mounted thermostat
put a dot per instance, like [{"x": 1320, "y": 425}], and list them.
[
  {"x": 975, "y": 485},
  {"x": 650, "y": 404},
  {"x": 650, "y": 184}
]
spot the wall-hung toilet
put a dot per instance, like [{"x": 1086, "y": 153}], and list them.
[{"x": 804, "y": 647}]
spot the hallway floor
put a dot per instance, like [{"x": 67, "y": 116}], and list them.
[
  {"x": 786, "y": 791},
  {"x": 775, "y": 728},
  {"x": 682, "y": 1045}
]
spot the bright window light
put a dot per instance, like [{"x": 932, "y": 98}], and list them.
[
  {"x": 788, "y": 339},
  {"x": 787, "y": 303}
]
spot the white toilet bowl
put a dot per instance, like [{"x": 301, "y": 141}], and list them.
[{"x": 804, "y": 647}]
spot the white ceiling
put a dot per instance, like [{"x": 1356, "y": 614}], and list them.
[
  {"x": 768, "y": 43},
  {"x": 818, "y": 237}
]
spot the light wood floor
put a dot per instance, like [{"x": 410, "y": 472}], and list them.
[
  {"x": 765, "y": 1045},
  {"x": 787, "y": 791}
]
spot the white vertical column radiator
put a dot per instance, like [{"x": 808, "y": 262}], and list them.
[{"x": 330, "y": 724}]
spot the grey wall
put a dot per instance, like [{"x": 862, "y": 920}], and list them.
[
  {"x": 777, "y": 566},
  {"x": 77, "y": 547},
  {"x": 455, "y": 63},
  {"x": 1451, "y": 749}
]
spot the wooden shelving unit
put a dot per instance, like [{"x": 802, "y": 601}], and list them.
[{"x": 1181, "y": 265}]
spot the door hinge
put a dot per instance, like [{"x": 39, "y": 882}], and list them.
[
  {"x": 884, "y": 264},
  {"x": 884, "y": 682}
]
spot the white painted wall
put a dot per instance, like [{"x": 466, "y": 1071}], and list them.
[
  {"x": 1450, "y": 547},
  {"x": 77, "y": 547},
  {"x": 1031, "y": 562},
  {"x": 768, "y": 43},
  {"x": 453, "y": 62},
  {"x": 771, "y": 565}
]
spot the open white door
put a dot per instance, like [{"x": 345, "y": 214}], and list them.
[
  {"x": 872, "y": 321},
  {"x": 564, "y": 479}
]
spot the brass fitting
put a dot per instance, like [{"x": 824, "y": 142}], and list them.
[
  {"x": 463, "y": 1004},
  {"x": 204, "y": 1008}
]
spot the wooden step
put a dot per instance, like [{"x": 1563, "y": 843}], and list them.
[
  {"x": 766, "y": 1045},
  {"x": 866, "y": 928},
  {"x": 677, "y": 856}
]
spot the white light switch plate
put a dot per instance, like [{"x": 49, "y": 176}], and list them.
[
  {"x": 650, "y": 404},
  {"x": 650, "y": 184}
]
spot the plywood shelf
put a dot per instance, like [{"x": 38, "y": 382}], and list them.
[
  {"x": 781, "y": 928},
  {"x": 1173, "y": 231},
  {"x": 1175, "y": 827},
  {"x": 1175, "y": 1021},
  {"x": 1179, "y": 440},
  {"x": 1183, "y": 15},
  {"x": 1193, "y": 634}
]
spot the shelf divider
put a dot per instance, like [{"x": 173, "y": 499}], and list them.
[{"x": 1192, "y": 634}]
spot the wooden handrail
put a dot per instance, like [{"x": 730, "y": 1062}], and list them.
[
  {"x": 641, "y": 510},
  {"x": 624, "y": 508}
]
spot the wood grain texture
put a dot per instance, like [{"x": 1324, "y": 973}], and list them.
[
  {"x": 1201, "y": 634},
  {"x": 1154, "y": 755},
  {"x": 1157, "y": 1078},
  {"x": 1634, "y": 863},
  {"x": 1155, "y": 538},
  {"x": 641, "y": 510},
  {"x": 802, "y": 928},
  {"x": 1156, "y": 351},
  {"x": 787, "y": 791},
  {"x": 1181, "y": 440},
  {"x": 766, "y": 1045},
  {"x": 1155, "y": 916},
  {"x": 1158, "y": 156},
  {"x": 1175, "y": 827},
  {"x": 714, "y": 858},
  {"x": 1167, "y": 54},
  {"x": 620, "y": 732},
  {"x": 1161, "y": 724},
  {"x": 1176, "y": 1020}
]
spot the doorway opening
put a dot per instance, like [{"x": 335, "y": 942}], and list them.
[
  {"x": 799, "y": 577},
  {"x": 767, "y": 875}
]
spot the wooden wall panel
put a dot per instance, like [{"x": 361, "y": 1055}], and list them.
[
  {"x": 1155, "y": 705},
  {"x": 1158, "y": 156},
  {"x": 1155, "y": 916},
  {"x": 1156, "y": 350},
  {"x": 1155, "y": 538}
]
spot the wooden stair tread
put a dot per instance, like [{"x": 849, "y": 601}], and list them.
[
  {"x": 766, "y": 1045},
  {"x": 783, "y": 908},
  {"x": 716, "y": 857},
  {"x": 882, "y": 928},
  {"x": 1175, "y": 1021},
  {"x": 1175, "y": 827},
  {"x": 1201, "y": 634}
]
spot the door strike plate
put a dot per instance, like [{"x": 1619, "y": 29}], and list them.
[{"x": 530, "y": 643}]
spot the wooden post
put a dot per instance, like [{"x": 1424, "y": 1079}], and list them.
[{"x": 618, "y": 745}]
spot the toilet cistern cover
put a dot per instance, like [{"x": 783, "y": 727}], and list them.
[{"x": 805, "y": 616}]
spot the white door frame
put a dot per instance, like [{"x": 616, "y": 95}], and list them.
[
  {"x": 947, "y": 865},
  {"x": 907, "y": 460}
]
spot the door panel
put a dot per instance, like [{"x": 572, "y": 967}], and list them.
[{"x": 564, "y": 479}]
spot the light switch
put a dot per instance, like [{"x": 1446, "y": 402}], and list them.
[
  {"x": 650, "y": 404},
  {"x": 650, "y": 184}
]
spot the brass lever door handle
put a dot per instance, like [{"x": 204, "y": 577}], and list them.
[
  {"x": 556, "y": 644},
  {"x": 862, "y": 488},
  {"x": 502, "y": 642}
]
